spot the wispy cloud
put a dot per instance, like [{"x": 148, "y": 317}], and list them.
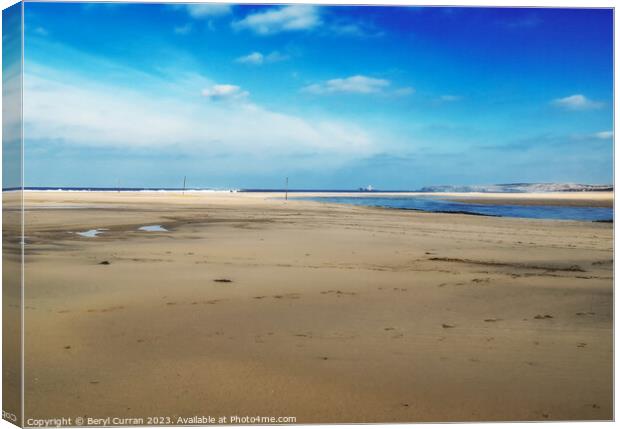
[
  {"x": 277, "y": 20},
  {"x": 404, "y": 91},
  {"x": 354, "y": 29},
  {"x": 356, "y": 85},
  {"x": 253, "y": 58},
  {"x": 604, "y": 135},
  {"x": 225, "y": 92},
  {"x": 449, "y": 98},
  {"x": 206, "y": 10},
  {"x": 176, "y": 119},
  {"x": 258, "y": 58},
  {"x": 41, "y": 31},
  {"x": 576, "y": 102},
  {"x": 184, "y": 29}
]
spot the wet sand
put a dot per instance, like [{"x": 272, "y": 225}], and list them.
[{"x": 250, "y": 305}]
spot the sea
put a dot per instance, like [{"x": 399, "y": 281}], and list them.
[
  {"x": 438, "y": 205},
  {"x": 429, "y": 203}
]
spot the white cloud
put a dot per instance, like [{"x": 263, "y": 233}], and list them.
[
  {"x": 276, "y": 20},
  {"x": 576, "y": 102},
  {"x": 276, "y": 56},
  {"x": 93, "y": 114},
  {"x": 253, "y": 58},
  {"x": 183, "y": 29},
  {"x": 450, "y": 97},
  {"x": 604, "y": 135},
  {"x": 41, "y": 31},
  {"x": 407, "y": 90},
  {"x": 356, "y": 28},
  {"x": 11, "y": 95},
  {"x": 355, "y": 85},
  {"x": 348, "y": 29},
  {"x": 207, "y": 10},
  {"x": 257, "y": 58},
  {"x": 225, "y": 92}
]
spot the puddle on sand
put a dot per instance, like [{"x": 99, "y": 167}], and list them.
[
  {"x": 91, "y": 233},
  {"x": 153, "y": 228}
]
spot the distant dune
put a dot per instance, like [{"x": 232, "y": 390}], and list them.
[{"x": 520, "y": 187}]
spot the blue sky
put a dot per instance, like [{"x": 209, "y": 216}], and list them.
[
  {"x": 333, "y": 97},
  {"x": 11, "y": 97}
]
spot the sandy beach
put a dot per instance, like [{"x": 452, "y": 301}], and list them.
[{"x": 252, "y": 305}]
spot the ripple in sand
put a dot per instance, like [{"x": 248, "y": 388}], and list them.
[{"x": 153, "y": 228}]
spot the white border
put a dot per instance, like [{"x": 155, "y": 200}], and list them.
[{"x": 488, "y": 3}]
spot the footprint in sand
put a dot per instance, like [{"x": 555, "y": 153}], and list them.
[
  {"x": 105, "y": 310},
  {"x": 118, "y": 307},
  {"x": 447, "y": 325},
  {"x": 287, "y": 296},
  {"x": 540, "y": 316},
  {"x": 492, "y": 320},
  {"x": 581, "y": 345},
  {"x": 338, "y": 293},
  {"x": 222, "y": 280}
]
